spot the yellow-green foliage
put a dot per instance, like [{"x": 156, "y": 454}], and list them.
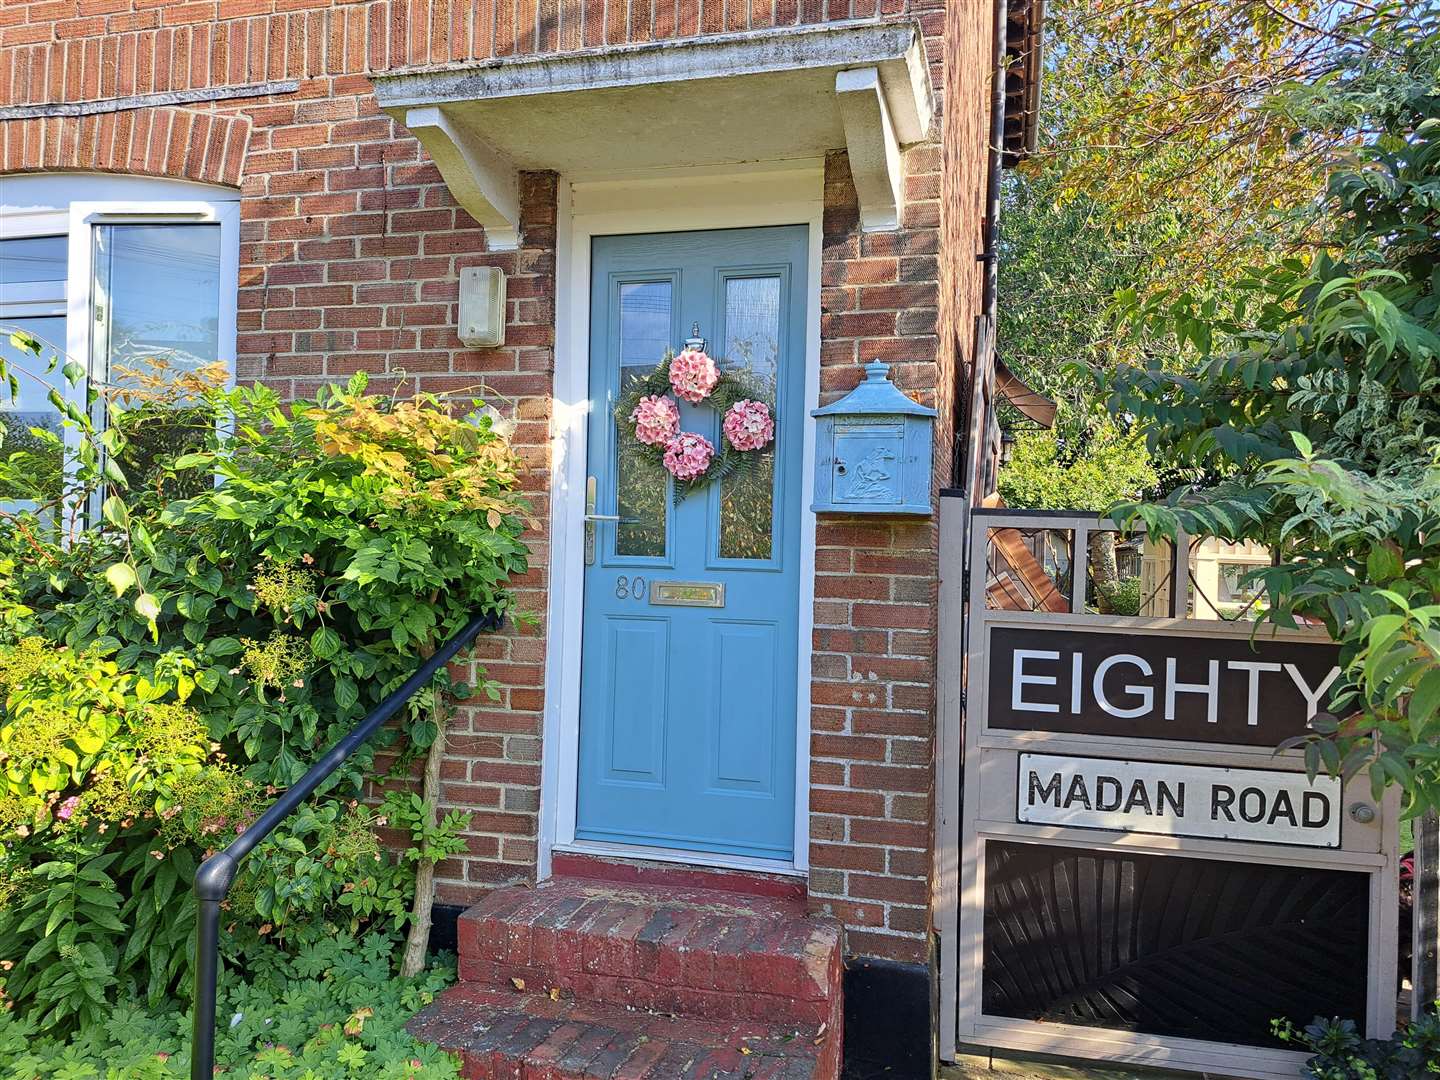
[
  {"x": 1107, "y": 467},
  {"x": 279, "y": 661},
  {"x": 76, "y": 723}
]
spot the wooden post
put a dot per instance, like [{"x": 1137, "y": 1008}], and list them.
[
  {"x": 1179, "y": 575},
  {"x": 1425, "y": 950}
]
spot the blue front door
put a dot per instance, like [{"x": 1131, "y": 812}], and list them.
[{"x": 688, "y": 713}]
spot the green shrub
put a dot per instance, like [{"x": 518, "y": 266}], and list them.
[
  {"x": 335, "y": 1010},
  {"x": 89, "y": 752},
  {"x": 169, "y": 670},
  {"x": 1341, "y": 1053},
  {"x": 1123, "y": 597}
]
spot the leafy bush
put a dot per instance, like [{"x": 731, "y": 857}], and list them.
[
  {"x": 168, "y": 670},
  {"x": 334, "y": 1011},
  {"x": 1123, "y": 597},
  {"x": 1340, "y": 1053},
  {"x": 1091, "y": 471},
  {"x": 1313, "y": 390},
  {"x": 88, "y": 752}
]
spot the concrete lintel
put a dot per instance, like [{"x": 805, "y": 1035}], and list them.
[
  {"x": 482, "y": 180},
  {"x": 875, "y": 163},
  {"x": 893, "y": 48},
  {"x": 163, "y": 99}
]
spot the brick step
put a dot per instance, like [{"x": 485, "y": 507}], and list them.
[
  {"x": 508, "y": 1035},
  {"x": 683, "y": 951}
]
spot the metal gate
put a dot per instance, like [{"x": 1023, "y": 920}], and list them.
[{"x": 1126, "y": 868}]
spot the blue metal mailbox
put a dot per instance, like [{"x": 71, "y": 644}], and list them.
[{"x": 873, "y": 450}]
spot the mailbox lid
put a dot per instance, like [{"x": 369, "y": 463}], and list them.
[{"x": 875, "y": 396}]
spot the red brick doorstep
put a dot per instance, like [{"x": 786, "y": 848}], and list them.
[
  {"x": 625, "y": 981},
  {"x": 502, "y": 1035},
  {"x": 690, "y": 952}
]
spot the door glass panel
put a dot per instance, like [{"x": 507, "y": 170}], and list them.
[
  {"x": 640, "y": 482},
  {"x": 752, "y": 352},
  {"x": 36, "y": 465},
  {"x": 158, "y": 339}
]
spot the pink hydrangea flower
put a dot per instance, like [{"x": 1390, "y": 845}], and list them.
[
  {"x": 693, "y": 375},
  {"x": 748, "y": 425},
  {"x": 656, "y": 420},
  {"x": 67, "y": 808},
  {"x": 688, "y": 455}
]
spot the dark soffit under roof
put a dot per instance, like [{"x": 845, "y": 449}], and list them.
[{"x": 1024, "y": 39}]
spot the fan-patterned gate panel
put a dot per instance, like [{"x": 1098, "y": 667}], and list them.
[{"x": 1157, "y": 945}]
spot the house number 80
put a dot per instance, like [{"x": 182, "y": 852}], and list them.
[{"x": 629, "y": 588}]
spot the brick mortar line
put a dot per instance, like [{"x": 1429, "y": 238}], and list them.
[{"x": 641, "y": 980}]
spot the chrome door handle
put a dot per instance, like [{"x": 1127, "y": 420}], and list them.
[{"x": 591, "y": 518}]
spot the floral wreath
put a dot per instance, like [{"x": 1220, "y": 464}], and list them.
[{"x": 650, "y": 419}]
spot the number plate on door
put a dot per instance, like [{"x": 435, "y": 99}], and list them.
[{"x": 687, "y": 594}]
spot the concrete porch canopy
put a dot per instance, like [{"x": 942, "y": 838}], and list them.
[{"x": 766, "y": 95}]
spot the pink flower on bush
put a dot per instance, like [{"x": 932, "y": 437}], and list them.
[
  {"x": 656, "y": 420},
  {"x": 688, "y": 455},
  {"x": 693, "y": 375},
  {"x": 67, "y": 808},
  {"x": 748, "y": 425}
]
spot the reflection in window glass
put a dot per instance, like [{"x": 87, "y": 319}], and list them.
[
  {"x": 1029, "y": 569},
  {"x": 157, "y": 337},
  {"x": 33, "y": 259},
  {"x": 35, "y": 466},
  {"x": 1232, "y": 584},
  {"x": 163, "y": 287},
  {"x": 642, "y": 484},
  {"x": 752, "y": 353}
]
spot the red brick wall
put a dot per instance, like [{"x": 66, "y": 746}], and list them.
[
  {"x": 872, "y": 672},
  {"x": 968, "y": 50},
  {"x": 85, "y": 50},
  {"x": 350, "y": 256},
  {"x": 351, "y": 249}
]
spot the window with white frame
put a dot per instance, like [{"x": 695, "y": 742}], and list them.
[{"x": 130, "y": 281}]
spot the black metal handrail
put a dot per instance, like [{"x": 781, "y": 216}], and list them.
[{"x": 217, "y": 873}]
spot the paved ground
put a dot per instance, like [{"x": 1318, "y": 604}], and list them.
[
  {"x": 984, "y": 1066},
  {"x": 1007, "y": 1067}
]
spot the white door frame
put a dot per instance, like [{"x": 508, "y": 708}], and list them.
[{"x": 672, "y": 200}]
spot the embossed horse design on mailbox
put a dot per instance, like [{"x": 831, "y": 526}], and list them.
[{"x": 873, "y": 477}]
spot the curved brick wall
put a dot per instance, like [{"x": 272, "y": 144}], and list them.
[{"x": 175, "y": 143}]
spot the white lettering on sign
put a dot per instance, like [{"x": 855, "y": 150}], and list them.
[
  {"x": 1021, "y": 680},
  {"x": 1211, "y": 697},
  {"x": 1312, "y": 697},
  {"x": 1260, "y": 805},
  {"x": 1027, "y": 670},
  {"x": 1144, "y": 693}
]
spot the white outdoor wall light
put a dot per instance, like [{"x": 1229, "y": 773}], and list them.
[{"x": 482, "y": 307}]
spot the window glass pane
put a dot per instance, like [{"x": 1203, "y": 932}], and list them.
[
  {"x": 33, "y": 259},
  {"x": 38, "y": 468},
  {"x": 641, "y": 483},
  {"x": 157, "y": 325},
  {"x": 752, "y": 351},
  {"x": 162, "y": 283}
]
